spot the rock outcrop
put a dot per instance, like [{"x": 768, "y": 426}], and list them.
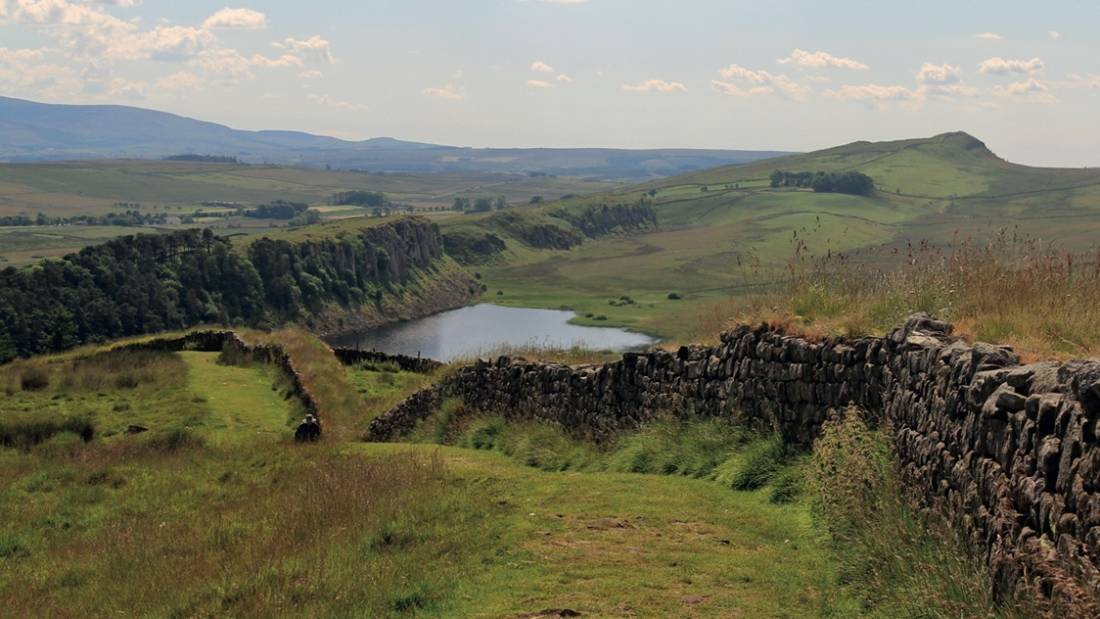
[{"x": 1010, "y": 453}]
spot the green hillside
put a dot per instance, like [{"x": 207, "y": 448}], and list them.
[
  {"x": 726, "y": 231},
  {"x": 166, "y": 484}
]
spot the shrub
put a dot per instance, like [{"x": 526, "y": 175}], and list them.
[
  {"x": 11, "y": 547},
  {"x": 24, "y": 431},
  {"x": 174, "y": 439},
  {"x": 34, "y": 378}
]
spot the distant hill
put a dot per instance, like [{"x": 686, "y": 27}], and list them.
[
  {"x": 726, "y": 232},
  {"x": 949, "y": 165},
  {"x": 31, "y": 131}
]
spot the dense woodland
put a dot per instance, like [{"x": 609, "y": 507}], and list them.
[
  {"x": 147, "y": 283},
  {"x": 854, "y": 183}
]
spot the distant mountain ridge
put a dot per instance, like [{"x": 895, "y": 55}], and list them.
[{"x": 31, "y": 131}]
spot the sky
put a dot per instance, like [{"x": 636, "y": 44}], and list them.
[{"x": 786, "y": 75}]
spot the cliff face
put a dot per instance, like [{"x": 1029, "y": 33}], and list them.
[
  {"x": 1009, "y": 453},
  {"x": 381, "y": 274},
  {"x": 150, "y": 283}
]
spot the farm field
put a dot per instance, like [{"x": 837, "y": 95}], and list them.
[{"x": 180, "y": 188}]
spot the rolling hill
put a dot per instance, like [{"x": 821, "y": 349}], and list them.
[
  {"x": 726, "y": 231},
  {"x": 31, "y": 131}
]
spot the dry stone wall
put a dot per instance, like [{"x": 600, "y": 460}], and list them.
[{"x": 1008, "y": 452}]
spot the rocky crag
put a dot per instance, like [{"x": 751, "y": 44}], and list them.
[{"x": 1009, "y": 453}]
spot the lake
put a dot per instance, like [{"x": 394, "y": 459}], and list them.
[{"x": 482, "y": 329}]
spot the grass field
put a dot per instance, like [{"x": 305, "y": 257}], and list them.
[
  {"x": 215, "y": 511},
  {"x": 178, "y": 188}
]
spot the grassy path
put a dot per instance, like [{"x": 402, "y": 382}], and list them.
[
  {"x": 242, "y": 401},
  {"x": 630, "y": 545}
]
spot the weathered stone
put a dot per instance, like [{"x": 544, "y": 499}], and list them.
[{"x": 1011, "y": 453}]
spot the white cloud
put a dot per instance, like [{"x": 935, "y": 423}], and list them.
[
  {"x": 167, "y": 43},
  {"x": 312, "y": 74},
  {"x": 942, "y": 80},
  {"x": 1029, "y": 89},
  {"x": 224, "y": 63},
  {"x": 120, "y": 87},
  {"x": 563, "y": 78},
  {"x": 821, "y": 60},
  {"x": 313, "y": 49},
  {"x": 655, "y": 86},
  {"x": 736, "y": 91},
  {"x": 871, "y": 93},
  {"x": 242, "y": 19},
  {"x": 447, "y": 93},
  {"x": 541, "y": 67},
  {"x": 539, "y": 83},
  {"x": 286, "y": 60},
  {"x": 1054, "y": 34},
  {"x": 19, "y": 56},
  {"x": 86, "y": 29},
  {"x": 989, "y": 36},
  {"x": 337, "y": 103},
  {"x": 759, "y": 82},
  {"x": 939, "y": 74},
  {"x": 27, "y": 72},
  {"x": 1006, "y": 66},
  {"x": 180, "y": 80},
  {"x": 83, "y": 28},
  {"x": 1076, "y": 80}
]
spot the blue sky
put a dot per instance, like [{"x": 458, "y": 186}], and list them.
[{"x": 1023, "y": 76}]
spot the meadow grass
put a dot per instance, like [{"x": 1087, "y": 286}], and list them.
[
  {"x": 214, "y": 512},
  {"x": 612, "y": 544},
  {"x": 1011, "y": 290},
  {"x": 892, "y": 559}
]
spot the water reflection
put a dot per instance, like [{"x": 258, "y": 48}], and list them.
[{"x": 481, "y": 329}]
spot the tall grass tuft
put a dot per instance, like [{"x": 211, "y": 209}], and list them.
[
  {"x": 897, "y": 560},
  {"x": 1012, "y": 290},
  {"x": 25, "y": 430}
]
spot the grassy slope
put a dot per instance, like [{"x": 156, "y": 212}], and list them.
[
  {"x": 739, "y": 234},
  {"x": 237, "y": 520}
]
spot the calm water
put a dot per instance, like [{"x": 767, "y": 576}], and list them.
[{"x": 483, "y": 329}]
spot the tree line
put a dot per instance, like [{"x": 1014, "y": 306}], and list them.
[
  {"x": 479, "y": 205},
  {"x": 855, "y": 183},
  {"x": 124, "y": 219},
  {"x": 148, "y": 283}
]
